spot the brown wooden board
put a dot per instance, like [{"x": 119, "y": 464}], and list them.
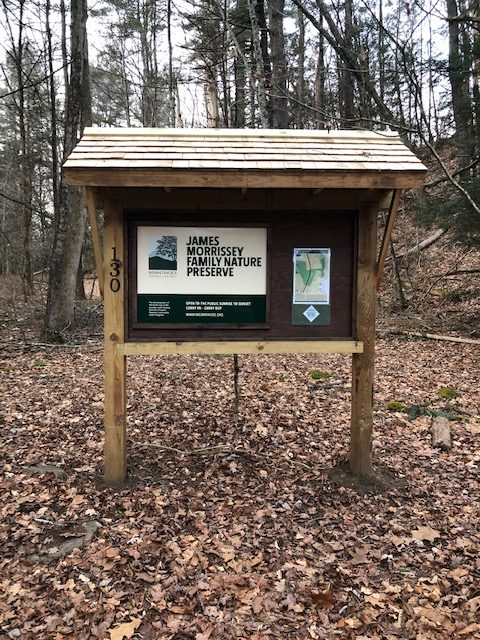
[{"x": 334, "y": 230}]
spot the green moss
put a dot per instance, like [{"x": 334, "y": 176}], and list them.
[
  {"x": 395, "y": 405},
  {"x": 315, "y": 374},
  {"x": 447, "y": 393},
  {"x": 8, "y": 367}
]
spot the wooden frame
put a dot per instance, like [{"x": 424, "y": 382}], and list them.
[
  {"x": 118, "y": 348},
  {"x": 230, "y": 347},
  {"x": 387, "y": 236},
  {"x": 307, "y": 223},
  {"x": 115, "y": 452},
  {"x": 373, "y": 179},
  {"x": 363, "y": 363},
  {"x": 91, "y": 205},
  {"x": 325, "y": 170}
]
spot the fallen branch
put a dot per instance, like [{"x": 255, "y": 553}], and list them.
[
  {"x": 459, "y": 272},
  {"x": 421, "y": 245},
  {"x": 434, "y": 336},
  {"x": 458, "y": 172},
  {"x": 28, "y": 346},
  {"x": 222, "y": 448}
]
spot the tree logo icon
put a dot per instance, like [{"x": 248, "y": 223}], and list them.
[{"x": 164, "y": 255}]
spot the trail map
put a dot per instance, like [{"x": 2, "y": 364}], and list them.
[{"x": 311, "y": 276}]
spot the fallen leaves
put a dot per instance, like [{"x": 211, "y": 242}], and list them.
[
  {"x": 420, "y": 534},
  {"x": 231, "y": 530},
  {"x": 425, "y": 533},
  {"x": 125, "y": 630}
]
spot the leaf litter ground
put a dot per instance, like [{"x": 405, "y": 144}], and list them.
[{"x": 238, "y": 528}]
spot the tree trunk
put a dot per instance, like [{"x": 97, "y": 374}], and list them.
[
  {"x": 258, "y": 80},
  {"x": 267, "y": 66},
  {"x": 211, "y": 102},
  {"x": 240, "y": 71},
  {"x": 63, "y": 17},
  {"x": 381, "y": 52},
  {"x": 476, "y": 74},
  {"x": 458, "y": 76},
  {"x": 53, "y": 111},
  {"x": 300, "y": 110},
  {"x": 347, "y": 76},
  {"x": 171, "y": 84},
  {"x": 25, "y": 169},
  {"x": 224, "y": 73},
  {"x": 279, "y": 65},
  {"x": 71, "y": 215},
  {"x": 320, "y": 81}
]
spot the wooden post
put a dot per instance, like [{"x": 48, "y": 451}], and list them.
[
  {"x": 115, "y": 459},
  {"x": 97, "y": 249},
  {"x": 387, "y": 236},
  {"x": 363, "y": 363}
]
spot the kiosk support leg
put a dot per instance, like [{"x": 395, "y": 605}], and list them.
[
  {"x": 115, "y": 459},
  {"x": 363, "y": 363}
]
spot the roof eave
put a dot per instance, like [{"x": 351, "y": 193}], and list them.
[{"x": 332, "y": 179}]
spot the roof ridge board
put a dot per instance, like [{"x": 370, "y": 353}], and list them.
[
  {"x": 249, "y": 148},
  {"x": 250, "y": 157},
  {"x": 99, "y": 132},
  {"x": 127, "y": 144},
  {"x": 242, "y": 142}
]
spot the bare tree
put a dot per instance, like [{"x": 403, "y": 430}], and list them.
[
  {"x": 17, "y": 56},
  {"x": 70, "y": 223},
  {"x": 258, "y": 81},
  {"x": 279, "y": 98},
  {"x": 458, "y": 73}
]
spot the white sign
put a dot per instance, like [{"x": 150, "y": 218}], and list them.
[
  {"x": 188, "y": 275},
  {"x": 202, "y": 260}
]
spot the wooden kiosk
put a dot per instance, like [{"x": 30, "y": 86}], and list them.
[{"x": 240, "y": 241}]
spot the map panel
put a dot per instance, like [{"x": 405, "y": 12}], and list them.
[{"x": 311, "y": 279}]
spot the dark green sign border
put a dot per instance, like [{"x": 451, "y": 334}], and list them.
[
  {"x": 201, "y": 309},
  {"x": 323, "y": 318}
]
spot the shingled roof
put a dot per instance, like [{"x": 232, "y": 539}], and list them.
[{"x": 242, "y": 158}]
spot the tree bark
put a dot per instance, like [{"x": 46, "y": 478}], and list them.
[
  {"x": 53, "y": 111},
  {"x": 279, "y": 100},
  {"x": 25, "y": 168},
  {"x": 171, "y": 85},
  {"x": 458, "y": 76},
  {"x": 211, "y": 103},
  {"x": 347, "y": 76},
  {"x": 300, "y": 112},
  {"x": 71, "y": 216},
  {"x": 258, "y": 80},
  {"x": 320, "y": 101},
  {"x": 239, "y": 66},
  {"x": 263, "y": 31},
  {"x": 476, "y": 73}
]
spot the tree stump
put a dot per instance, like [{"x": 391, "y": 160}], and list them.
[{"x": 440, "y": 431}]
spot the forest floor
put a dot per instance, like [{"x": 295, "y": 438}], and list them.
[{"x": 244, "y": 526}]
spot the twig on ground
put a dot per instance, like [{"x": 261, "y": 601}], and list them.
[
  {"x": 434, "y": 336},
  {"x": 222, "y": 448}
]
